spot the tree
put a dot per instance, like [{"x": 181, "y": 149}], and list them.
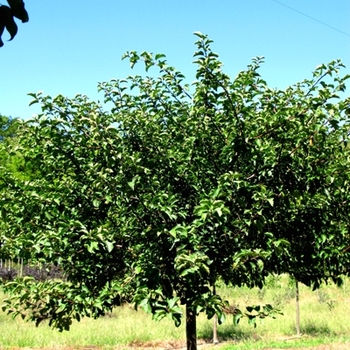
[
  {"x": 7, "y": 132},
  {"x": 177, "y": 187},
  {"x": 8, "y": 127},
  {"x": 7, "y": 15},
  {"x": 11, "y": 162},
  {"x": 10, "y": 159}
]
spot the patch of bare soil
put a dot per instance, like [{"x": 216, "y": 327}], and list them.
[{"x": 171, "y": 345}]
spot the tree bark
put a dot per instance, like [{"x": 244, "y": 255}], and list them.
[
  {"x": 191, "y": 328},
  {"x": 215, "y": 329},
  {"x": 215, "y": 324},
  {"x": 297, "y": 308}
]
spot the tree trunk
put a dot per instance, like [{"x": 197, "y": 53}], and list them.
[
  {"x": 215, "y": 329},
  {"x": 215, "y": 324},
  {"x": 191, "y": 328},
  {"x": 297, "y": 308}
]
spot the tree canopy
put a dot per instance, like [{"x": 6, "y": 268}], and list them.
[
  {"x": 178, "y": 186},
  {"x": 7, "y": 14}
]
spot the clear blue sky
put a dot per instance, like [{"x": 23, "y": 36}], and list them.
[{"x": 69, "y": 46}]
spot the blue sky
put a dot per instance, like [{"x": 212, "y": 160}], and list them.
[{"x": 67, "y": 47}]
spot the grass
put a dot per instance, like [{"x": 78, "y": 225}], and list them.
[{"x": 325, "y": 316}]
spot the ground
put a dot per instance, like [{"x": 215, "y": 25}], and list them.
[
  {"x": 169, "y": 346},
  {"x": 180, "y": 345}
]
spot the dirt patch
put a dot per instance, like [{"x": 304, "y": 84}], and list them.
[{"x": 168, "y": 345}]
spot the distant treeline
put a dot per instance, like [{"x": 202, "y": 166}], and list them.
[{"x": 9, "y": 270}]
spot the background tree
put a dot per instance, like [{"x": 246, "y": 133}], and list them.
[
  {"x": 174, "y": 189},
  {"x": 7, "y": 14},
  {"x": 7, "y": 127},
  {"x": 10, "y": 159},
  {"x": 323, "y": 164}
]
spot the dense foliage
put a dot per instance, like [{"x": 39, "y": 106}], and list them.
[{"x": 178, "y": 186}]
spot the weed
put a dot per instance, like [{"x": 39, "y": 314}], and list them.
[
  {"x": 273, "y": 281},
  {"x": 324, "y": 298},
  {"x": 261, "y": 293}
]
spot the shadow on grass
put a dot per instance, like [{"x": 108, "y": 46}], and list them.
[
  {"x": 316, "y": 330},
  {"x": 227, "y": 332}
]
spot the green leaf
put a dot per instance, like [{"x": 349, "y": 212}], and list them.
[
  {"x": 109, "y": 246},
  {"x": 237, "y": 317},
  {"x": 60, "y": 309},
  {"x": 172, "y": 302},
  {"x": 145, "y": 305},
  {"x": 159, "y": 56},
  {"x": 132, "y": 183},
  {"x": 96, "y": 203}
]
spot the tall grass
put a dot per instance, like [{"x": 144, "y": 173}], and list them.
[{"x": 325, "y": 317}]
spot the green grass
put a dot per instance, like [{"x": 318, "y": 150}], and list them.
[{"x": 325, "y": 318}]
